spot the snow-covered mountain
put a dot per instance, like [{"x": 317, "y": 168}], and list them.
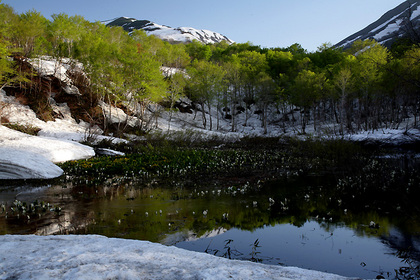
[
  {"x": 402, "y": 21},
  {"x": 172, "y": 35}
]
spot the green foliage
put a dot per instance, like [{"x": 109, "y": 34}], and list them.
[
  {"x": 279, "y": 62},
  {"x": 411, "y": 66},
  {"x": 223, "y": 53},
  {"x": 205, "y": 82},
  {"x": 198, "y": 51},
  {"x": 327, "y": 55},
  {"x": 28, "y": 32},
  {"x": 177, "y": 83},
  {"x": 173, "y": 55},
  {"x": 7, "y": 69},
  {"x": 253, "y": 64},
  {"x": 363, "y": 87},
  {"x": 64, "y": 31},
  {"x": 8, "y": 19},
  {"x": 308, "y": 88},
  {"x": 8, "y": 72}
]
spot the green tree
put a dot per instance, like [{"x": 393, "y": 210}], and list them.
[
  {"x": 7, "y": 66},
  {"x": 205, "y": 83},
  {"x": 122, "y": 68},
  {"x": 267, "y": 94},
  {"x": 142, "y": 78},
  {"x": 233, "y": 87},
  {"x": 368, "y": 70},
  {"x": 177, "y": 83},
  {"x": 198, "y": 51},
  {"x": 307, "y": 91},
  {"x": 296, "y": 50},
  {"x": 343, "y": 81},
  {"x": 326, "y": 57},
  {"x": 405, "y": 74},
  {"x": 30, "y": 32},
  {"x": 218, "y": 51},
  {"x": 64, "y": 31},
  {"x": 8, "y": 20},
  {"x": 7, "y": 69},
  {"x": 174, "y": 56},
  {"x": 252, "y": 64},
  {"x": 279, "y": 62},
  {"x": 223, "y": 53}
]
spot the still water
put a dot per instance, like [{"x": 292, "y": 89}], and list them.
[{"x": 307, "y": 221}]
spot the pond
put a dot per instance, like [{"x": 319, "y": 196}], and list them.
[{"x": 324, "y": 222}]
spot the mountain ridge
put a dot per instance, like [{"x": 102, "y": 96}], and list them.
[{"x": 167, "y": 33}]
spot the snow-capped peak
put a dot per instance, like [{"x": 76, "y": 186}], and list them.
[{"x": 167, "y": 33}]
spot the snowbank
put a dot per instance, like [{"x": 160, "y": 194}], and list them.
[
  {"x": 23, "y": 156},
  {"x": 52, "y": 149},
  {"x": 97, "y": 257},
  {"x": 16, "y": 164},
  {"x": 388, "y": 136}
]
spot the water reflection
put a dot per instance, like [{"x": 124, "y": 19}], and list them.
[
  {"x": 45, "y": 220},
  {"x": 315, "y": 222},
  {"x": 311, "y": 246}
]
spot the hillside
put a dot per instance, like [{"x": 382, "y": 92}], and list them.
[
  {"x": 402, "y": 21},
  {"x": 172, "y": 35}
]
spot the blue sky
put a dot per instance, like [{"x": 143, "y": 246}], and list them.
[{"x": 268, "y": 23}]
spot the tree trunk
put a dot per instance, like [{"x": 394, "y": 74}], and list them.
[
  {"x": 210, "y": 117},
  {"x": 265, "y": 117},
  {"x": 203, "y": 115},
  {"x": 342, "y": 108},
  {"x": 233, "y": 113}
]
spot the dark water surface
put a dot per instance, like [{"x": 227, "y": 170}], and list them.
[{"x": 326, "y": 223}]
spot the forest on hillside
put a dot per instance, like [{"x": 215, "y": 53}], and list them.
[{"x": 366, "y": 87}]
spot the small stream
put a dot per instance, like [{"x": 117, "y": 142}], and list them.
[{"x": 355, "y": 225}]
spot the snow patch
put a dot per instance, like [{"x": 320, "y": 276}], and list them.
[
  {"x": 391, "y": 28},
  {"x": 415, "y": 13},
  {"x": 24, "y": 156},
  {"x": 97, "y": 257},
  {"x": 52, "y": 149},
  {"x": 48, "y": 66},
  {"x": 21, "y": 164}
]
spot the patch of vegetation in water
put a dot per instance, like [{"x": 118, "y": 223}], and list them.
[{"x": 272, "y": 157}]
